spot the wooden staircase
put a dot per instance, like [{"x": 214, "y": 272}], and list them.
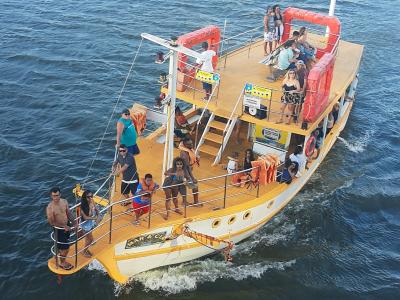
[{"x": 216, "y": 135}]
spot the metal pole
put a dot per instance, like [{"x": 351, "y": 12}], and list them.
[
  {"x": 331, "y": 13},
  {"x": 258, "y": 183},
  {"x": 173, "y": 70},
  {"x": 148, "y": 221},
  {"x": 76, "y": 245},
  {"x": 55, "y": 245},
  {"x": 110, "y": 229},
  {"x": 184, "y": 207},
  {"x": 226, "y": 179}
]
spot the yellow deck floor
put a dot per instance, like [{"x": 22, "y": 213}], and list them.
[{"x": 239, "y": 70}]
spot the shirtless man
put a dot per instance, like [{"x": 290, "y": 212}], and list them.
[{"x": 58, "y": 215}]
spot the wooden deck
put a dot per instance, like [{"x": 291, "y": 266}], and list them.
[{"x": 242, "y": 66}]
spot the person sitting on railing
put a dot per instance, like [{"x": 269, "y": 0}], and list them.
[
  {"x": 289, "y": 172},
  {"x": 191, "y": 159},
  {"x": 237, "y": 179},
  {"x": 205, "y": 64},
  {"x": 89, "y": 219},
  {"x": 59, "y": 215},
  {"x": 300, "y": 158},
  {"x": 291, "y": 95},
  {"x": 145, "y": 190},
  {"x": 129, "y": 172},
  {"x": 269, "y": 30},
  {"x": 286, "y": 60},
  {"x": 182, "y": 126}
]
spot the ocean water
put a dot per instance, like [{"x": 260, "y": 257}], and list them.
[{"x": 62, "y": 66}]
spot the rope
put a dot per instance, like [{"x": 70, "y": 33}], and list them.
[{"x": 115, "y": 107}]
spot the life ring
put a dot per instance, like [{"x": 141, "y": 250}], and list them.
[{"x": 310, "y": 146}]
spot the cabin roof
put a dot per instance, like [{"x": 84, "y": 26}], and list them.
[{"x": 242, "y": 66}]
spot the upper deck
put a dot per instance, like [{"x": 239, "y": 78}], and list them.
[{"x": 243, "y": 66}]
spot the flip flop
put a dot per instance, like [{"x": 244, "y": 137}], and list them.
[
  {"x": 66, "y": 266},
  {"x": 87, "y": 254},
  {"x": 177, "y": 210}
]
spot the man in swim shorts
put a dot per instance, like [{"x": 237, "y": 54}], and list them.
[{"x": 60, "y": 217}]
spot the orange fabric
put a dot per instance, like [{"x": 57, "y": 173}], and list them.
[
  {"x": 139, "y": 120},
  {"x": 193, "y": 159}
]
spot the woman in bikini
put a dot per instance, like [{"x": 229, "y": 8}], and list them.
[
  {"x": 291, "y": 95},
  {"x": 278, "y": 23},
  {"x": 89, "y": 216}
]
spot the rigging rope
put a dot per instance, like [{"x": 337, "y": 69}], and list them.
[{"x": 112, "y": 114}]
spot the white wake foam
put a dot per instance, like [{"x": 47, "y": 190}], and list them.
[
  {"x": 95, "y": 265},
  {"x": 187, "y": 276},
  {"x": 358, "y": 146}
]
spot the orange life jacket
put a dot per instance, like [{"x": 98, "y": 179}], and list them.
[
  {"x": 193, "y": 159},
  {"x": 147, "y": 188}
]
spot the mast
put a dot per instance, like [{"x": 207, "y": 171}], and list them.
[
  {"x": 173, "y": 71},
  {"x": 332, "y": 7}
]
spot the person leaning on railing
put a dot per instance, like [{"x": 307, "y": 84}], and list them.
[
  {"x": 90, "y": 217},
  {"x": 60, "y": 217},
  {"x": 145, "y": 190}
]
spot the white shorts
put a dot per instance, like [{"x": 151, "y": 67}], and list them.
[{"x": 269, "y": 37}]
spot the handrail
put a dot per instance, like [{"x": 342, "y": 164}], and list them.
[{"x": 54, "y": 248}]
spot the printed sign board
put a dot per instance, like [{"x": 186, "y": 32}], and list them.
[
  {"x": 250, "y": 101},
  {"x": 207, "y": 76},
  {"x": 257, "y": 91},
  {"x": 146, "y": 240},
  {"x": 271, "y": 137}
]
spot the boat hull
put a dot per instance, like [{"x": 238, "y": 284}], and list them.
[{"x": 133, "y": 260}]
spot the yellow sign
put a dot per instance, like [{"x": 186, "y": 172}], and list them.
[
  {"x": 207, "y": 76},
  {"x": 257, "y": 91},
  {"x": 272, "y": 137}
]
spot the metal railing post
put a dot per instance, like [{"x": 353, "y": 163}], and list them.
[
  {"x": 184, "y": 206},
  {"x": 55, "y": 245},
  {"x": 226, "y": 179},
  {"x": 111, "y": 217},
  {"x": 258, "y": 182},
  {"x": 148, "y": 221},
  {"x": 76, "y": 245}
]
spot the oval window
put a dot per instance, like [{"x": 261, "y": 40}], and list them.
[
  {"x": 216, "y": 223},
  {"x": 232, "y": 220},
  {"x": 246, "y": 215}
]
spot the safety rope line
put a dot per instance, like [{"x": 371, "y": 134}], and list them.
[{"x": 113, "y": 112}]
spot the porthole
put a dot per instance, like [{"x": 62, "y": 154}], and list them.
[
  {"x": 231, "y": 220},
  {"x": 216, "y": 223},
  {"x": 270, "y": 203},
  {"x": 246, "y": 215}
]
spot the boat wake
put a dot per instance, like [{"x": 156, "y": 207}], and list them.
[
  {"x": 358, "y": 146},
  {"x": 187, "y": 276}
]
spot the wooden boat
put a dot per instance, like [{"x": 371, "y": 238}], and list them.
[{"x": 241, "y": 92}]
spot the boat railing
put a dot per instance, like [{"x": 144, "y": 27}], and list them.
[{"x": 109, "y": 216}]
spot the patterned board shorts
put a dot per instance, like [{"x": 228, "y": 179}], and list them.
[{"x": 269, "y": 37}]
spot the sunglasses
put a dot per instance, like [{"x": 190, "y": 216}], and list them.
[
  {"x": 122, "y": 150},
  {"x": 127, "y": 114},
  {"x": 179, "y": 164},
  {"x": 89, "y": 196}
]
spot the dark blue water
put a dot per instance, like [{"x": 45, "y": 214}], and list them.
[{"x": 62, "y": 65}]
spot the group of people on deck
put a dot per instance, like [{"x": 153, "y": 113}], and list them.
[{"x": 134, "y": 190}]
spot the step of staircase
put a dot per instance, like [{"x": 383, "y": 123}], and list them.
[
  {"x": 217, "y": 125},
  {"x": 209, "y": 149},
  {"x": 213, "y": 137}
]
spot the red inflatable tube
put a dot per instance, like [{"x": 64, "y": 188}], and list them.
[
  {"x": 210, "y": 34},
  {"x": 318, "y": 86},
  {"x": 331, "y": 22}
]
